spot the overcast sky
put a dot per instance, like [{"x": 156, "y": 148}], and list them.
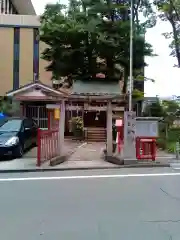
[{"x": 160, "y": 68}]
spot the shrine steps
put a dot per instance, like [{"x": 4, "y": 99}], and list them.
[{"x": 95, "y": 134}]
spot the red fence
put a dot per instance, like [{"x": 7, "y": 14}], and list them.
[
  {"x": 145, "y": 148},
  {"x": 48, "y": 145}
]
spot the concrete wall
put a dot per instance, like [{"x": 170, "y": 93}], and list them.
[
  {"x": 19, "y": 20},
  {"x": 26, "y": 56},
  {"x": 6, "y": 60},
  {"x": 44, "y": 76}
]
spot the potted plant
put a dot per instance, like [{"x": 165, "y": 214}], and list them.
[{"x": 77, "y": 127}]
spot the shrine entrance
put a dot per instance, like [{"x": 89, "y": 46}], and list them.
[{"x": 95, "y": 119}]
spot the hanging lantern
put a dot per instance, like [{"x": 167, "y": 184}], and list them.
[
  {"x": 57, "y": 113},
  {"x": 96, "y": 118}
]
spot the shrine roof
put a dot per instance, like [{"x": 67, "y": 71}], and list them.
[{"x": 96, "y": 88}]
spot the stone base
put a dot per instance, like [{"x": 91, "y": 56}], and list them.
[
  {"x": 114, "y": 160},
  {"x": 58, "y": 160}
]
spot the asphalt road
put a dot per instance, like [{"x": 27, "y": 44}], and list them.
[{"x": 64, "y": 206}]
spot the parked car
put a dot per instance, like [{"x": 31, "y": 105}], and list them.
[{"x": 16, "y": 135}]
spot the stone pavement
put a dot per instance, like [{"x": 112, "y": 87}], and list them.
[
  {"x": 19, "y": 163},
  {"x": 69, "y": 147},
  {"x": 29, "y": 160},
  {"x": 163, "y": 154},
  {"x": 88, "y": 152},
  {"x": 32, "y": 153}
]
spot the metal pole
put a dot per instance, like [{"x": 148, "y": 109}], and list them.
[
  {"x": 131, "y": 58},
  {"x": 177, "y": 150}
]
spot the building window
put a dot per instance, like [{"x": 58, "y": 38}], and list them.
[
  {"x": 7, "y": 7},
  {"x": 14, "y": 11},
  {"x": 16, "y": 58},
  {"x": 2, "y": 6},
  {"x": 35, "y": 54}
]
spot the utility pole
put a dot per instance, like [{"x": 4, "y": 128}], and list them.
[{"x": 131, "y": 57}]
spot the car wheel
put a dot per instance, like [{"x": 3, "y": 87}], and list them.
[{"x": 19, "y": 151}]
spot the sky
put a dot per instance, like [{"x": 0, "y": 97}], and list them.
[{"x": 159, "y": 68}]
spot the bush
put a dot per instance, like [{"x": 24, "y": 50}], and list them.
[
  {"x": 77, "y": 126},
  {"x": 171, "y": 147},
  {"x": 173, "y": 134},
  {"x": 169, "y": 143},
  {"x": 161, "y": 143}
]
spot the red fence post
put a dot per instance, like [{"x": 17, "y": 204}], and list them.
[
  {"x": 39, "y": 148},
  {"x": 119, "y": 142},
  {"x": 137, "y": 148},
  {"x": 153, "y": 150}
]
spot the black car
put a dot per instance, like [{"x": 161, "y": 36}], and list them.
[{"x": 16, "y": 135}]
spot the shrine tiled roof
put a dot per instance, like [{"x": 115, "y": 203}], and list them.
[{"x": 96, "y": 88}]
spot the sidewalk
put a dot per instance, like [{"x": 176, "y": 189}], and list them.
[
  {"x": 29, "y": 165},
  {"x": 85, "y": 157}
]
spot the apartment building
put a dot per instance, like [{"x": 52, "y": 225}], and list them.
[{"x": 20, "y": 48}]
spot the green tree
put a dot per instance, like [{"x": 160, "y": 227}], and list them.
[
  {"x": 85, "y": 38},
  {"x": 7, "y": 106},
  {"x": 172, "y": 111},
  {"x": 169, "y": 11},
  {"x": 154, "y": 109},
  {"x": 168, "y": 110}
]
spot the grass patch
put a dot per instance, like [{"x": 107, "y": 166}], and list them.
[
  {"x": 171, "y": 147},
  {"x": 169, "y": 144}
]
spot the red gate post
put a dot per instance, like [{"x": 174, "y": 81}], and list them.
[
  {"x": 39, "y": 148},
  {"x": 153, "y": 149},
  {"x": 138, "y": 148},
  {"x": 119, "y": 130}
]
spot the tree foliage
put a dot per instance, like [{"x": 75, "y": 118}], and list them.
[
  {"x": 7, "y": 106},
  {"x": 88, "y": 37},
  {"x": 168, "y": 110},
  {"x": 154, "y": 109},
  {"x": 169, "y": 11}
]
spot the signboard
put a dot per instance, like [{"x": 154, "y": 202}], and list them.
[
  {"x": 146, "y": 128},
  {"x": 57, "y": 113},
  {"x": 130, "y": 125},
  {"x": 129, "y": 150},
  {"x": 53, "y": 106}
]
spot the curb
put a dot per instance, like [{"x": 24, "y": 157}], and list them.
[{"x": 82, "y": 168}]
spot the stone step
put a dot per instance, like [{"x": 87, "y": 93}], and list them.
[
  {"x": 96, "y": 131},
  {"x": 95, "y": 134},
  {"x": 96, "y": 137}
]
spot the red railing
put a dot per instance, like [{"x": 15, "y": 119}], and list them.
[
  {"x": 146, "y": 148},
  {"x": 48, "y": 145}
]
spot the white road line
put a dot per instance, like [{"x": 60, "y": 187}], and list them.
[{"x": 88, "y": 177}]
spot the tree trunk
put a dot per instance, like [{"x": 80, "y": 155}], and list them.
[{"x": 176, "y": 40}]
